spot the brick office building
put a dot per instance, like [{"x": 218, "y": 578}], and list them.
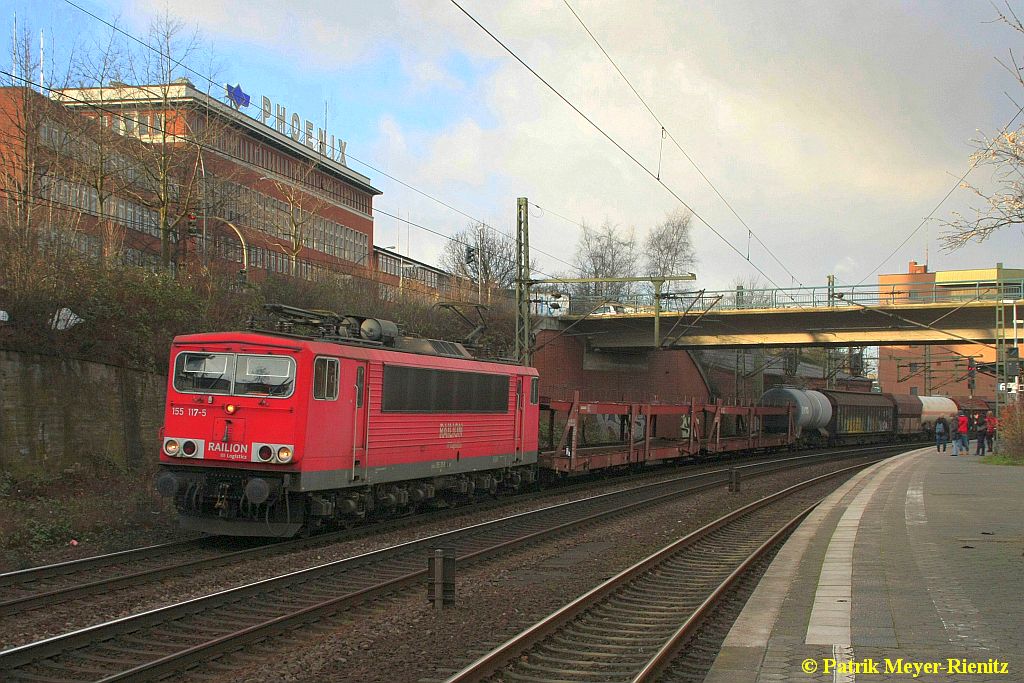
[
  {"x": 42, "y": 199},
  {"x": 270, "y": 183}
]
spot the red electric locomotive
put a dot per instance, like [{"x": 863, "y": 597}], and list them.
[{"x": 270, "y": 433}]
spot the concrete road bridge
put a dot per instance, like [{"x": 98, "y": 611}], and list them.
[{"x": 905, "y": 314}]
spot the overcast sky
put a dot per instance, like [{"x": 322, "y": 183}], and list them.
[{"x": 833, "y": 129}]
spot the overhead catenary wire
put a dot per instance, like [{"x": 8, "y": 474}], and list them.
[
  {"x": 455, "y": 209},
  {"x": 617, "y": 144},
  {"x": 665, "y": 132},
  {"x": 209, "y": 80},
  {"x": 544, "y": 209}
]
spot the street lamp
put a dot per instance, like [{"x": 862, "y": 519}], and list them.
[{"x": 244, "y": 273}]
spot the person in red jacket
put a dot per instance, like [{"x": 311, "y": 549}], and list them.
[
  {"x": 991, "y": 423},
  {"x": 963, "y": 427}
]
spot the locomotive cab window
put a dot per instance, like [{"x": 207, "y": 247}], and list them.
[
  {"x": 534, "y": 390},
  {"x": 207, "y": 373},
  {"x": 236, "y": 375},
  {"x": 264, "y": 376},
  {"x": 325, "y": 379}
]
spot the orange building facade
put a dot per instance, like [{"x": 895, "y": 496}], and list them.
[{"x": 957, "y": 369}]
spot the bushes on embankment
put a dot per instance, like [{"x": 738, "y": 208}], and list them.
[{"x": 83, "y": 358}]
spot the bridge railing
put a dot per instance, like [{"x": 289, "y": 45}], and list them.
[{"x": 803, "y": 297}]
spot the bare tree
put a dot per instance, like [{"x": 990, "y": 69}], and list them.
[
  {"x": 1003, "y": 207},
  {"x": 99, "y": 160},
  {"x": 481, "y": 255},
  {"x": 38, "y": 218},
  {"x": 750, "y": 292},
  {"x": 169, "y": 166},
  {"x": 292, "y": 217},
  {"x": 668, "y": 247},
  {"x": 606, "y": 252}
]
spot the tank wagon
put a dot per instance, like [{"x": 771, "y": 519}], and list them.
[
  {"x": 934, "y": 407},
  {"x": 812, "y": 411}
]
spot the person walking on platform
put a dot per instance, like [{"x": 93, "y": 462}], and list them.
[
  {"x": 978, "y": 428},
  {"x": 941, "y": 434},
  {"x": 954, "y": 432},
  {"x": 991, "y": 423},
  {"x": 963, "y": 428}
]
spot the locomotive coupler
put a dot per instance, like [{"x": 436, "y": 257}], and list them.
[{"x": 222, "y": 497}]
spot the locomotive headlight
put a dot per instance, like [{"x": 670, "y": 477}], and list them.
[
  {"x": 265, "y": 453},
  {"x": 171, "y": 447},
  {"x": 284, "y": 454},
  {"x": 230, "y": 408},
  {"x": 189, "y": 448}
]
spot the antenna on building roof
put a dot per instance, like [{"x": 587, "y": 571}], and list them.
[
  {"x": 14, "y": 49},
  {"x": 322, "y": 148}
]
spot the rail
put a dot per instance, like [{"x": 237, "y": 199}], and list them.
[
  {"x": 161, "y": 641},
  {"x": 626, "y": 628}
]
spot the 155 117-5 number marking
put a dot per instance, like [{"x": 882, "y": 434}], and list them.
[{"x": 192, "y": 412}]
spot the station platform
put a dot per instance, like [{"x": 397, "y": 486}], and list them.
[{"x": 913, "y": 570}]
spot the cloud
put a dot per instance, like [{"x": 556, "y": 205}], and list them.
[
  {"x": 832, "y": 130},
  {"x": 428, "y": 75}
]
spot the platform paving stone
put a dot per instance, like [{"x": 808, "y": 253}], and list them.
[{"x": 937, "y": 573}]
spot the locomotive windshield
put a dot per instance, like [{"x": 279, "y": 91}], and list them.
[
  {"x": 234, "y": 374},
  {"x": 264, "y": 376}
]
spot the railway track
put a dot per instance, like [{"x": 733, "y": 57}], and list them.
[
  {"x": 45, "y": 586},
  {"x": 42, "y": 586},
  {"x": 165, "y": 640},
  {"x": 630, "y": 627}
]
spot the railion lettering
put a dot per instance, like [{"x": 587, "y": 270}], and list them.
[{"x": 228, "y": 448}]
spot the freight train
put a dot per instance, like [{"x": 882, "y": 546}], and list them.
[
  {"x": 324, "y": 420},
  {"x": 832, "y": 417}
]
